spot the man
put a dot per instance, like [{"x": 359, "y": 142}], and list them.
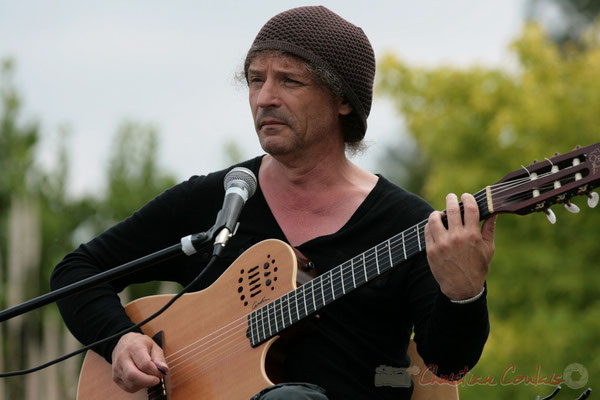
[{"x": 310, "y": 76}]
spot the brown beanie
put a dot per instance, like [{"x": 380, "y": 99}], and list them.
[{"x": 326, "y": 40}]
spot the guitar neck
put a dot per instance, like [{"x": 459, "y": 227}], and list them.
[{"x": 269, "y": 320}]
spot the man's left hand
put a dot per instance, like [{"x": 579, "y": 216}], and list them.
[{"x": 459, "y": 256}]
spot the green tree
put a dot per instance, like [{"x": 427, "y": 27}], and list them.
[
  {"x": 40, "y": 223},
  {"x": 134, "y": 177},
  {"x": 474, "y": 125},
  {"x": 565, "y": 20},
  {"x": 18, "y": 222}
]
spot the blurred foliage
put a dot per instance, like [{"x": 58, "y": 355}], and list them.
[
  {"x": 133, "y": 177},
  {"x": 471, "y": 127},
  {"x": 233, "y": 152},
  {"x": 566, "y": 21}
]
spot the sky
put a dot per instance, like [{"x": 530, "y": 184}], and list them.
[{"x": 88, "y": 66}]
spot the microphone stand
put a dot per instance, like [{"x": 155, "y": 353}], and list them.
[
  {"x": 240, "y": 184},
  {"x": 188, "y": 245}
]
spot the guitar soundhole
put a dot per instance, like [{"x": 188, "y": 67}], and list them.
[{"x": 256, "y": 280}]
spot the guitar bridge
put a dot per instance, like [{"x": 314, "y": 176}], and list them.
[{"x": 158, "y": 392}]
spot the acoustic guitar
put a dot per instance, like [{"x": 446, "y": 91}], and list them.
[{"x": 220, "y": 350}]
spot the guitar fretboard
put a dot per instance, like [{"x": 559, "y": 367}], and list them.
[{"x": 269, "y": 320}]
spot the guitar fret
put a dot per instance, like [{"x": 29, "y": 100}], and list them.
[
  {"x": 281, "y": 310},
  {"x": 297, "y": 308},
  {"x": 304, "y": 298},
  {"x": 389, "y": 245},
  {"x": 362, "y": 276},
  {"x": 258, "y": 325},
  {"x": 269, "y": 319},
  {"x": 342, "y": 279},
  {"x": 350, "y": 276},
  {"x": 418, "y": 236},
  {"x": 352, "y": 268},
  {"x": 383, "y": 257},
  {"x": 275, "y": 315},
  {"x": 377, "y": 261},
  {"x": 404, "y": 246},
  {"x": 262, "y": 319},
  {"x": 252, "y": 332},
  {"x": 312, "y": 289},
  {"x": 331, "y": 281},
  {"x": 322, "y": 291},
  {"x": 365, "y": 267},
  {"x": 257, "y": 328},
  {"x": 289, "y": 307}
]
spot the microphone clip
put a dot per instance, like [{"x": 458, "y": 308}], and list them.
[{"x": 222, "y": 238}]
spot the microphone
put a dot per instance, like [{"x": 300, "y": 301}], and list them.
[{"x": 240, "y": 184}]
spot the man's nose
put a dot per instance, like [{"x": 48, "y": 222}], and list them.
[{"x": 269, "y": 95}]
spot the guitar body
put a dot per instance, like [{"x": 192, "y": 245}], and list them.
[{"x": 204, "y": 333}]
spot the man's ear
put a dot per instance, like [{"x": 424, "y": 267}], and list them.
[{"x": 344, "y": 107}]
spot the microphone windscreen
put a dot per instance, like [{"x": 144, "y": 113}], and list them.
[{"x": 240, "y": 176}]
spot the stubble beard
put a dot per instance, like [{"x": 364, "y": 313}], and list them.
[{"x": 277, "y": 145}]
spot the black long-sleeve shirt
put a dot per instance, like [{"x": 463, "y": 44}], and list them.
[{"x": 363, "y": 330}]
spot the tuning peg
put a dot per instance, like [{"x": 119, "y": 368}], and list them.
[
  {"x": 572, "y": 208},
  {"x": 592, "y": 199},
  {"x": 550, "y": 215}
]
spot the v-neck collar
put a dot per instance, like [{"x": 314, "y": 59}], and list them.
[{"x": 358, "y": 213}]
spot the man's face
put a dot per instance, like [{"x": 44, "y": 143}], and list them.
[{"x": 291, "y": 111}]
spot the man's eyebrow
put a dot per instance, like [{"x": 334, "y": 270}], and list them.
[{"x": 282, "y": 71}]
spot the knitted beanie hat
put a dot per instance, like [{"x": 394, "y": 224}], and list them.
[{"x": 328, "y": 41}]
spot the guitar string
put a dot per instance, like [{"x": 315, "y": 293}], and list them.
[
  {"x": 184, "y": 348},
  {"x": 514, "y": 183},
  {"x": 193, "y": 370},
  {"x": 374, "y": 250},
  {"x": 272, "y": 314},
  {"x": 482, "y": 195},
  {"x": 274, "y": 311},
  {"x": 206, "y": 362},
  {"x": 387, "y": 264}
]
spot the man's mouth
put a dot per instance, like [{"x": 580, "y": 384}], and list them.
[{"x": 271, "y": 123}]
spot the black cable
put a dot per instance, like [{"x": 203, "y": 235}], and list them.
[
  {"x": 585, "y": 394},
  {"x": 553, "y": 394},
  {"x": 139, "y": 324}
]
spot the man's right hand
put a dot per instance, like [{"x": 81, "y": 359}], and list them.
[{"x": 136, "y": 360}]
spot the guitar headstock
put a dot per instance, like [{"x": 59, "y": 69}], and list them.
[{"x": 539, "y": 185}]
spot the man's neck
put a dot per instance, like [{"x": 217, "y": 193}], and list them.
[
  {"x": 314, "y": 183},
  {"x": 315, "y": 198},
  {"x": 311, "y": 173}
]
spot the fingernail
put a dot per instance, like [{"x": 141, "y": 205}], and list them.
[{"x": 164, "y": 372}]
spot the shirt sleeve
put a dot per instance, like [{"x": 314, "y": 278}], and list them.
[
  {"x": 450, "y": 337},
  {"x": 97, "y": 313}
]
